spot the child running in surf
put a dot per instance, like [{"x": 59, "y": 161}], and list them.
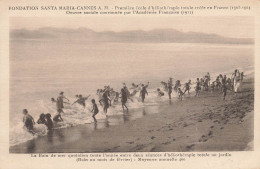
[
  {"x": 177, "y": 85},
  {"x": 106, "y": 101},
  {"x": 124, "y": 99},
  {"x": 94, "y": 110},
  {"x": 180, "y": 93},
  {"x": 143, "y": 92},
  {"x": 187, "y": 87}
]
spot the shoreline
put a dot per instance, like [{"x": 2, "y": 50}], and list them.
[
  {"x": 205, "y": 123},
  {"x": 39, "y": 103}
]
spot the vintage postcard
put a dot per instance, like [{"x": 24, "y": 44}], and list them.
[{"x": 130, "y": 83}]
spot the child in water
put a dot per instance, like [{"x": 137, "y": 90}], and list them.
[
  {"x": 197, "y": 88},
  {"x": 94, "y": 110},
  {"x": 242, "y": 76},
  {"x": 60, "y": 101},
  {"x": 160, "y": 93},
  {"x": 28, "y": 121},
  {"x": 41, "y": 119},
  {"x": 58, "y": 104},
  {"x": 212, "y": 86},
  {"x": 81, "y": 100},
  {"x": 169, "y": 90},
  {"x": 224, "y": 89},
  {"x": 49, "y": 122},
  {"x": 143, "y": 92},
  {"x": 187, "y": 87},
  {"x": 57, "y": 117},
  {"x": 180, "y": 93},
  {"x": 116, "y": 97},
  {"x": 123, "y": 98},
  {"x": 105, "y": 99}
]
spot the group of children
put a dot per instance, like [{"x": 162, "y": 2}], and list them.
[
  {"x": 107, "y": 95},
  {"x": 177, "y": 88},
  {"x": 46, "y": 118},
  {"x": 221, "y": 83}
]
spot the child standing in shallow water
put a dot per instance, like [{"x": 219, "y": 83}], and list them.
[
  {"x": 49, "y": 122},
  {"x": 28, "y": 121},
  {"x": 197, "y": 88},
  {"x": 180, "y": 93},
  {"x": 94, "y": 110},
  {"x": 123, "y": 98},
  {"x": 224, "y": 89}
]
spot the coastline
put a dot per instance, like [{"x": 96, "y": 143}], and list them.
[{"x": 205, "y": 123}]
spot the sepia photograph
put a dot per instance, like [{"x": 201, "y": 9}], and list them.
[{"x": 131, "y": 84}]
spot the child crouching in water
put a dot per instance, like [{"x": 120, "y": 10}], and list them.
[
  {"x": 94, "y": 110},
  {"x": 160, "y": 93},
  {"x": 57, "y": 117}
]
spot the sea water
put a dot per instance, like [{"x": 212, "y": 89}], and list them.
[{"x": 39, "y": 70}]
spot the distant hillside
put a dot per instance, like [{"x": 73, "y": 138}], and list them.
[{"x": 135, "y": 36}]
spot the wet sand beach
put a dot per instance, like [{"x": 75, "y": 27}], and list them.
[{"x": 204, "y": 123}]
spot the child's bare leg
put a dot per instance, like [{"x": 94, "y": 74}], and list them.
[
  {"x": 123, "y": 106},
  {"x": 95, "y": 120},
  {"x": 126, "y": 107}
]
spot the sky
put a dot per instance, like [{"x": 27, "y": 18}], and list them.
[{"x": 228, "y": 26}]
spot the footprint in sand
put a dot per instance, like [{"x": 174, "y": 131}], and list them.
[
  {"x": 116, "y": 147},
  {"x": 152, "y": 137},
  {"x": 216, "y": 121},
  {"x": 185, "y": 125},
  {"x": 166, "y": 143},
  {"x": 210, "y": 133},
  {"x": 222, "y": 128},
  {"x": 199, "y": 120},
  {"x": 203, "y": 138},
  {"x": 190, "y": 146},
  {"x": 211, "y": 127},
  {"x": 139, "y": 147},
  {"x": 153, "y": 149},
  {"x": 130, "y": 142},
  {"x": 173, "y": 139}
]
